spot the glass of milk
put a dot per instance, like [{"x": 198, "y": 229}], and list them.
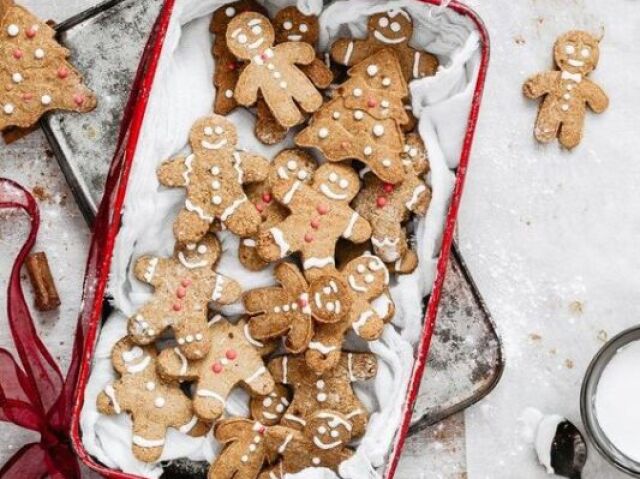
[{"x": 610, "y": 401}]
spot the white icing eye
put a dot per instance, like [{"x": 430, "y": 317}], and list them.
[
  {"x": 333, "y": 177},
  {"x": 256, "y": 29},
  {"x": 322, "y": 430},
  {"x": 344, "y": 183},
  {"x": 287, "y": 25},
  {"x": 292, "y": 165},
  {"x": 208, "y": 130},
  {"x": 585, "y": 52},
  {"x": 279, "y": 408},
  {"x": 267, "y": 402},
  {"x": 334, "y": 433},
  {"x": 373, "y": 266},
  {"x": 383, "y": 22},
  {"x": 360, "y": 268},
  {"x": 242, "y": 39},
  {"x": 395, "y": 26},
  {"x": 219, "y": 130},
  {"x": 569, "y": 49},
  {"x": 304, "y": 28},
  {"x": 202, "y": 249},
  {"x": 230, "y": 12}
]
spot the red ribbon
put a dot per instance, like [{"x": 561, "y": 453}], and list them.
[{"x": 33, "y": 392}]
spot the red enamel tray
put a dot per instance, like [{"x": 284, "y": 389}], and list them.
[{"x": 107, "y": 225}]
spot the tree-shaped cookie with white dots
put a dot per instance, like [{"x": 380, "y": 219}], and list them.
[
  {"x": 567, "y": 92},
  {"x": 214, "y": 176},
  {"x": 35, "y": 75},
  {"x": 153, "y": 404},
  {"x": 331, "y": 390},
  {"x": 319, "y": 215},
  {"x": 234, "y": 359},
  {"x": 321, "y": 443},
  {"x": 183, "y": 286}
]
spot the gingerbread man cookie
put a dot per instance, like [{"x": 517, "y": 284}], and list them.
[
  {"x": 214, "y": 175},
  {"x": 272, "y": 70},
  {"x": 391, "y": 29},
  {"x": 331, "y": 390},
  {"x": 184, "y": 285},
  {"x": 290, "y": 309},
  {"x": 387, "y": 207},
  {"x": 154, "y": 405},
  {"x": 291, "y": 163},
  {"x": 234, "y": 358},
  {"x": 567, "y": 92},
  {"x": 35, "y": 75},
  {"x": 320, "y": 214},
  {"x": 322, "y": 443},
  {"x": 291, "y": 25},
  {"x": 368, "y": 280},
  {"x": 228, "y": 67}
]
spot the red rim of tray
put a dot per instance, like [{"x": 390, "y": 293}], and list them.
[{"x": 107, "y": 224}]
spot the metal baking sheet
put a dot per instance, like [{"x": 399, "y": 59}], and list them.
[
  {"x": 465, "y": 362},
  {"x": 106, "y": 44}
]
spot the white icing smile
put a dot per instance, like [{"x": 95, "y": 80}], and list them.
[
  {"x": 325, "y": 445},
  {"x": 294, "y": 38},
  {"x": 326, "y": 191},
  {"x": 355, "y": 286},
  {"x": 213, "y": 146},
  {"x": 256, "y": 44},
  {"x": 575, "y": 63},
  {"x": 383, "y": 38}
]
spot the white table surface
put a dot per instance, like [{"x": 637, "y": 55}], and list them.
[{"x": 550, "y": 237}]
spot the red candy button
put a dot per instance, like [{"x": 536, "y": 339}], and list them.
[
  {"x": 177, "y": 307},
  {"x": 217, "y": 368},
  {"x": 323, "y": 209},
  {"x": 315, "y": 223},
  {"x": 387, "y": 187},
  {"x": 381, "y": 201},
  {"x": 27, "y": 96},
  {"x": 79, "y": 99},
  {"x": 372, "y": 103},
  {"x": 182, "y": 292},
  {"x": 17, "y": 54},
  {"x": 186, "y": 282},
  {"x": 231, "y": 354},
  {"x": 266, "y": 197},
  {"x": 260, "y": 207},
  {"x": 31, "y": 32},
  {"x": 63, "y": 73},
  {"x": 302, "y": 302},
  {"x": 308, "y": 237}
]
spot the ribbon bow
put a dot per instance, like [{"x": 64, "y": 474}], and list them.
[{"x": 33, "y": 393}]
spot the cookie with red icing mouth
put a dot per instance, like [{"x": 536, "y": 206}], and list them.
[
  {"x": 153, "y": 404},
  {"x": 184, "y": 285},
  {"x": 214, "y": 176},
  {"x": 387, "y": 207},
  {"x": 234, "y": 358},
  {"x": 272, "y": 71},
  {"x": 331, "y": 390},
  {"x": 392, "y": 29},
  {"x": 319, "y": 215},
  {"x": 567, "y": 91},
  {"x": 321, "y": 443}
]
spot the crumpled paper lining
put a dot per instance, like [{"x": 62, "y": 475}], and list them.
[{"x": 182, "y": 93}]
